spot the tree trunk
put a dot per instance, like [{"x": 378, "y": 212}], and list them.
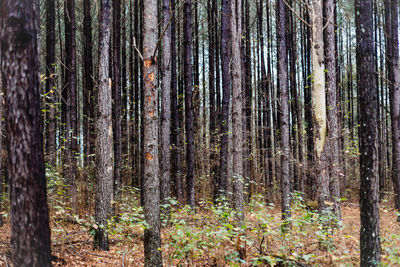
[
  {"x": 319, "y": 105},
  {"x": 176, "y": 163},
  {"x": 284, "y": 107},
  {"x": 166, "y": 104},
  {"x": 88, "y": 87},
  {"x": 188, "y": 80},
  {"x": 226, "y": 94},
  {"x": 237, "y": 109},
  {"x": 50, "y": 79},
  {"x": 391, "y": 20},
  {"x": 116, "y": 86},
  {"x": 71, "y": 106},
  {"x": 30, "y": 232},
  {"x": 151, "y": 179},
  {"x": 333, "y": 136},
  {"x": 104, "y": 140},
  {"x": 367, "y": 93}
]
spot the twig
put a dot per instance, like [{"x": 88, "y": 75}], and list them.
[{"x": 297, "y": 15}]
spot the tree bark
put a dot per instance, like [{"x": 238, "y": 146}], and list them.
[
  {"x": 50, "y": 79},
  {"x": 392, "y": 62},
  {"x": 237, "y": 109},
  {"x": 151, "y": 179},
  {"x": 71, "y": 106},
  {"x": 319, "y": 105},
  {"x": 30, "y": 232},
  {"x": 88, "y": 86},
  {"x": 166, "y": 104},
  {"x": 367, "y": 93},
  {"x": 284, "y": 107},
  {"x": 333, "y": 124},
  {"x": 226, "y": 94},
  {"x": 188, "y": 80},
  {"x": 116, "y": 87},
  {"x": 104, "y": 140}
]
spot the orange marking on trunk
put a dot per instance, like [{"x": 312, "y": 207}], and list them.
[
  {"x": 151, "y": 77},
  {"x": 149, "y": 98},
  {"x": 149, "y": 157},
  {"x": 147, "y": 63},
  {"x": 151, "y": 113}
]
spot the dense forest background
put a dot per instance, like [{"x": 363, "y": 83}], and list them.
[{"x": 200, "y": 133}]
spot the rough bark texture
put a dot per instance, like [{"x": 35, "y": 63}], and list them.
[
  {"x": 176, "y": 155},
  {"x": 104, "y": 140},
  {"x": 237, "y": 110},
  {"x": 226, "y": 94},
  {"x": 188, "y": 80},
  {"x": 116, "y": 86},
  {"x": 319, "y": 105},
  {"x": 391, "y": 17},
  {"x": 333, "y": 138},
  {"x": 367, "y": 94},
  {"x": 151, "y": 179},
  {"x": 166, "y": 105},
  {"x": 88, "y": 87},
  {"x": 211, "y": 85},
  {"x": 30, "y": 232},
  {"x": 71, "y": 93},
  {"x": 284, "y": 107},
  {"x": 50, "y": 79}
]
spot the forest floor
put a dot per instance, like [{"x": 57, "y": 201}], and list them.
[{"x": 209, "y": 237}]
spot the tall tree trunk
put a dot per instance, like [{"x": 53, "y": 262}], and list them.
[
  {"x": 319, "y": 105},
  {"x": 211, "y": 84},
  {"x": 392, "y": 63},
  {"x": 88, "y": 87},
  {"x": 151, "y": 179},
  {"x": 104, "y": 140},
  {"x": 237, "y": 109},
  {"x": 176, "y": 155},
  {"x": 30, "y": 232},
  {"x": 166, "y": 104},
  {"x": 333, "y": 136},
  {"x": 226, "y": 93},
  {"x": 367, "y": 93},
  {"x": 188, "y": 80},
  {"x": 50, "y": 78},
  {"x": 284, "y": 107},
  {"x": 70, "y": 87},
  {"x": 116, "y": 86}
]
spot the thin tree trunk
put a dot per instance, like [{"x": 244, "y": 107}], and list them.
[
  {"x": 226, "y": 94},
  {"x": 333, "y": 136},
  {"x": 70, "y": 87},
  {"x": 392, "y": 62},
  {"x": 104, "y": 140},
  {"x": 166, "y": 104},
  {"x": 188, "y": 80},
  {"x": 237, "y": 110},
  {"x": 284, "y": 107},
  {"x": 176, "y": 155},
  {"x": 30, "y": 232},
  {"x": 50, "y": 81},
  {"x": 116, "y": 86}
]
